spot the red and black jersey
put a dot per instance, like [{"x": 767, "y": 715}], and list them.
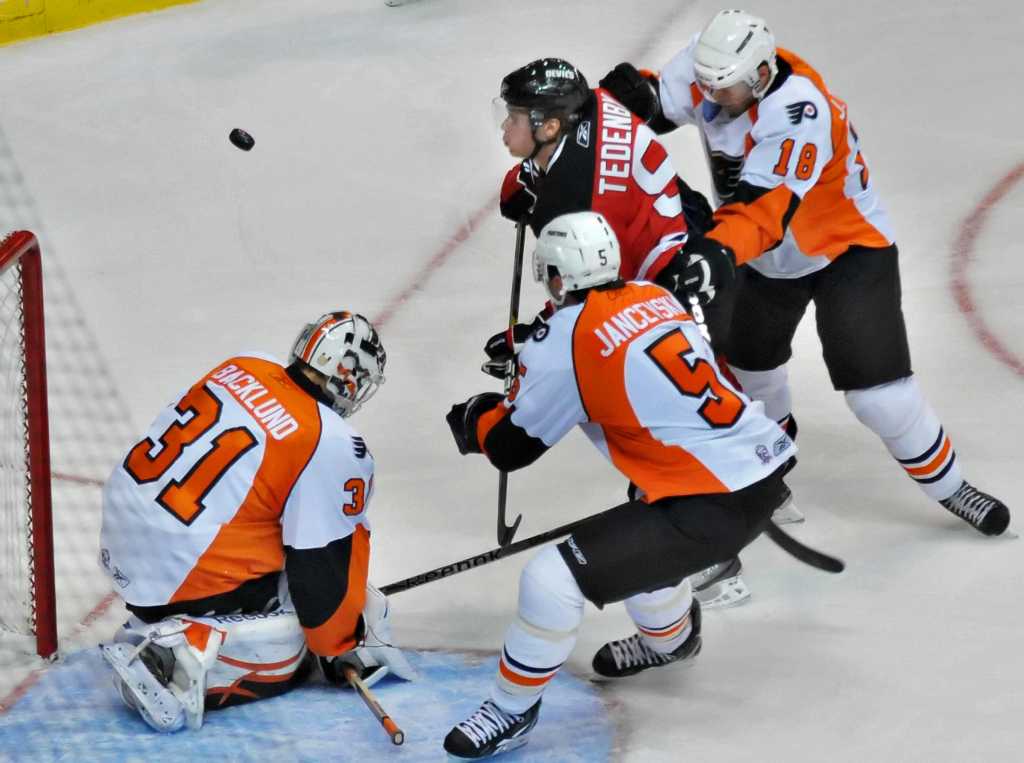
[{"x": 613, "y": 164}]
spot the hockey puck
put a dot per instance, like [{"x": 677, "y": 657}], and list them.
[{"x": 241, "y": 139}]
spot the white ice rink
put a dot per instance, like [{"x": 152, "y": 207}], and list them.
[{"x": 372, "y": 187}]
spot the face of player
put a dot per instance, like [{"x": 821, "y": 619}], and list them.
[
  {"x": 737, "y": 98},
  {"x": 517, "y": 133}
]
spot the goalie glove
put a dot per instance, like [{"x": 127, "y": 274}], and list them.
[
  {"x": 504, "y": 346},
  {"x": 375, "y": 657},
  {"x": 518, "y": 193},
  {"x": 701, "y": 267}
]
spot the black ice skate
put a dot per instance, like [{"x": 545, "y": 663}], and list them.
[
  {"x": 628, "y": 656},
  {"x": 983, "y": 512},
  {"x": 490, "y": 731}
]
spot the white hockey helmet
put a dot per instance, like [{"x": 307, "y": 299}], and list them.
[
  {"x": 730, "y": 49},
  {"x": 346, "y": 348},
  {"x": 581, "y": 249}
]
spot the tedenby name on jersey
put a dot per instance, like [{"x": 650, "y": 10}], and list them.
[
  {"x": 270, "y": 414},
  {"x": 636, "y": 319},
  {"x": 615, "y": 162}
]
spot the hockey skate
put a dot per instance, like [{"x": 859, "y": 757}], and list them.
[
  {"x": 490, "y": 731},
  {"x": 629, "y": 656},
  {"x": 720, "y": 585},
  {"x": 984, "y": 513},
  {"x": 142, "y": 677}
]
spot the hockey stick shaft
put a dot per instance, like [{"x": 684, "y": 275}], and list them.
[
  {"x": 505, "y": 531},
  {"x": 479, "y": 560},
  {"x": 352, "y": 676}
]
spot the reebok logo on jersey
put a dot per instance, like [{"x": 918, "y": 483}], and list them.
[
  {"x": 583, "y": 134},
  {"x": 797, "y": 111},
  {"x": 781, "y": 444}
]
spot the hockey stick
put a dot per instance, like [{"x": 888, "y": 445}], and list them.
[
  {"x": 505, "y": 531},
  {"x": 805, "y": 554},
  {"x": 479, "y": 560},
  {"x": 352, "y": 676}
]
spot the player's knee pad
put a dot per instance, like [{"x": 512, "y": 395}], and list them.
[
  {"x": 889, "y": 410},
  {"x": 770, "y": 387},
  {"x": 549, "y": 597}
]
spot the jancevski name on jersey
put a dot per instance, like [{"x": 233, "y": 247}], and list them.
[
  {"x": 613, "y": 163},
  {"x": 630, "y": 367},
  {"x": 789, "y": 172},
  {"x": 242, "y": 476}
]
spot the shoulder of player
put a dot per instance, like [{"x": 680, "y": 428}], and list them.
[
  {"x": 551, "y": 343},
  {"x": 797, "y": 106},
  {"x": 338, "y": 438}
]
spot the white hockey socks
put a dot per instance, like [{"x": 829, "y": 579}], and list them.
[
  {"x": 898, "y": 413},
  {"x": 542, "y": 635},
  {"x": 662, "y": 617}
]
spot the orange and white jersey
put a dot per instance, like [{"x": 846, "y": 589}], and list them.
[
  {"x": 242, "y": 465},
  {"x": 631, "y": 368},
  {"x": 789, "y": 175}
]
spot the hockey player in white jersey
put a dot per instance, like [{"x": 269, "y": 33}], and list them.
[
  {"x": 236, "y": 532},
  {"x": 798, "y": 208},
  {"x": 624, "y": 361}
]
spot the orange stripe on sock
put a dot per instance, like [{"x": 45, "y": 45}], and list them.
[
  {"x": 665, "y": 634},
  {"x": 934, "y": 464},
  {"x": 521, "y": 680}
]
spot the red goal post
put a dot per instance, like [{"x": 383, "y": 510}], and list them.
[{"x": 27, "y": 593}]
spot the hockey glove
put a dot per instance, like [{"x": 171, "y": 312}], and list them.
[
  {"x": 462, "y": 420},
  {"x": 518, "y": 193},
  {"x": 505, "y": 345},
  {"x": 701, "y": 268},
  {"x": 634, "y": 90}
]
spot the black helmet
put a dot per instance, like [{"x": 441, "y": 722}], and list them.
[{"x": 548, "y": 87}]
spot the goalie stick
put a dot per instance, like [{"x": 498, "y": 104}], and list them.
[{"x": 352, "y": 676}]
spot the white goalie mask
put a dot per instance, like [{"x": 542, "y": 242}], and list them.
[
  {"x": 729, "y": 51},
  {"x": 575, "y": 251},
  {"x": 346, "y": 348}
]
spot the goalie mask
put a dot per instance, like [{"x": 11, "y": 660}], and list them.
[
  {"x": 575, "y": 251},
  {"x": 346, "y": 348}
]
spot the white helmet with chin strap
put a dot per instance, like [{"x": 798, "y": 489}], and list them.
[
  {"x": 730, "y": 50},
  {"x": 346, "y": 348},
  {"x": 580, "y": 249}
]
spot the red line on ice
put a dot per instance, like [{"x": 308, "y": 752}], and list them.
[{"x": 963, "y": 254}]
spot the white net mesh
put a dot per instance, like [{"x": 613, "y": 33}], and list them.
[
  {"x": 16, "y": 611},
  {"x": 89, "y": 431}
]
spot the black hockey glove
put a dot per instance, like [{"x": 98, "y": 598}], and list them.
[
  {"x": 696, "y": 210},
  {"x": 505, "y": 345},
  {"x": 518, "y": 194},
  {"x": 462, "y": 420},
  {"x": 702, "y": 268},
  {"x": 633, "y": 90}
]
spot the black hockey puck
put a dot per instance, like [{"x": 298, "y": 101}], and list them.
[{"x": 241, "y": 139}]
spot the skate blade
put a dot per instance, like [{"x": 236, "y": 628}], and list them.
[
  {"x": 730, "y": 592},
  {"x": 512, "y": 744}
]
